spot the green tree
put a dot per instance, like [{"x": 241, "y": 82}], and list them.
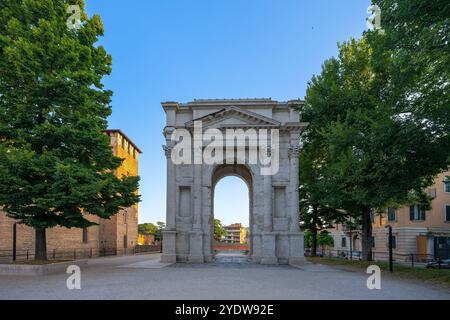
[
  {"x": 219, "y": 230},
  {"x": 414, "y": 50},
  {"x": 374, "y": 153},
  {"x": 160, "y": 226},
  {"x": 56, "y": 164},
  {"x": 315, "y": 215},
  {"x": 147, "y": 228},
  {"x": 323, "y": 238}
]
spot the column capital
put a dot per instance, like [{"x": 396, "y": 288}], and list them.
[
  {"x": 294, "y": 151},
  {"x": 167, "y": 151}
]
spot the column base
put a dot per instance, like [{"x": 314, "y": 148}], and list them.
[
  {"x": 209, "y": 258},
  {"x": 297, "y": 261},
  {"x": 168, "y": 258},
  {"x": 168, "y": 245},
  {"x": 196, "y": 259},
  {"x": 269, "y": 260}
]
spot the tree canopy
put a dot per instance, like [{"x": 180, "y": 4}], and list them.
[
  {"x": 56, "y": 164},
  {"x": 219, "y": 230},
  {"x": 379, "y": 114}
]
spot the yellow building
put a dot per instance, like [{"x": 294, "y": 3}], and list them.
[
  {"x": 236, "y": 233},
  {"x": 417, "y": 233},
  {"x": 121, "y": 231}
]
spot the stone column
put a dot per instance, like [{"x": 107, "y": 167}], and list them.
[
  {"x": 169, "y": 234},
  {"x": 267, "y": 191},
  {"x": 268, "y": 237},
  {"x": 196, "y": 235},
  {"x": 293, "y": 153},
  {"x": 197, "y": 194},
  {"x": 171, "y": 189},
  {"x": 296, "y": 240}
]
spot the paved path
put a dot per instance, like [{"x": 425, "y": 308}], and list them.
[{"x": 136, "y": 277}]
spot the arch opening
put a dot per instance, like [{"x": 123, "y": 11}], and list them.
[{"x": 232, "y": 191}]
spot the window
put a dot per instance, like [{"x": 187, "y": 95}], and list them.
[
  {"x": 416, "y": 213},
  {"x": 85, "y": 235},
  {"x": 344, "y": 242},
  {"x": 391, "y": 214},
  {"x": 447, "y": 184},
  {"x": 447, "y": 212},
  {"x": 394, "y": 242}
]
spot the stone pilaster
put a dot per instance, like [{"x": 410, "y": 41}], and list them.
[
  {"x": 267, "y": 191},
  {"x": 293, "y": 153},
  {"x": 169, "y": 249},
  {"x": 269, "y": 248},
  {"x": 171, "y": 189}
]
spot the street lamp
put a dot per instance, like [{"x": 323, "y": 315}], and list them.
[{"x": 391, "y": 269}]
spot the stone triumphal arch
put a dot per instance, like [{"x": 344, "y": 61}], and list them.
[{"x": 274, "y": 237}]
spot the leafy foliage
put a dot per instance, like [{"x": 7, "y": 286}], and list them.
[
  {"x": 147, "y": 228},
  {"x": 219, "y": 230},
  {"x": 323, "y": 239},
  {"x": 56, "y": 165},
  {"x": 379, "y": 114}
]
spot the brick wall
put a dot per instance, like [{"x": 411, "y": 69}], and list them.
[{"x": 109, "y": 233}]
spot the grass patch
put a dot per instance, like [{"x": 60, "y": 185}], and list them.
[{"x": 436, "y": 276}]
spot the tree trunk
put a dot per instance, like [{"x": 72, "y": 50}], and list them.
[
  {"x": 40, "y": 245},
  {"x": 314, "y": 232},
  {"x": 366, "y": 235},
  {"x": 313, "y": 241}
]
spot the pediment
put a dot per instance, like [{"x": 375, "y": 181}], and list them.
[{"x": 234, "y": 117}]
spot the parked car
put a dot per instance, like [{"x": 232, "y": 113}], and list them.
[{"x": 445, "y": 264}]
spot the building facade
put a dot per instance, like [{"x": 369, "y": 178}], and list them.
[
  {"x": 422, "y": 233},
  {"x": 112, "y": 236},
  {"x": 236, "y": 233}
]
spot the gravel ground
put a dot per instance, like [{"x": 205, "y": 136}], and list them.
[{"x": 143, "y": 277}]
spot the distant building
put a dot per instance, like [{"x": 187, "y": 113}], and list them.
[
  {"x": 113, "y": 236},
  {"x": 426, "y": 234},
  {"x": 236, "y": 233},
  {"x": 146, "y": 240}
]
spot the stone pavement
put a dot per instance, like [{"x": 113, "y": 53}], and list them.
[{"x": 144, "y": 277}]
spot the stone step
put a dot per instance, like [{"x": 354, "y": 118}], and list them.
[{"x": 231, "y": 259}]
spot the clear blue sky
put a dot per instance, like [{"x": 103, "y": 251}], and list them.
[{"x": 180, "y": 50}]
